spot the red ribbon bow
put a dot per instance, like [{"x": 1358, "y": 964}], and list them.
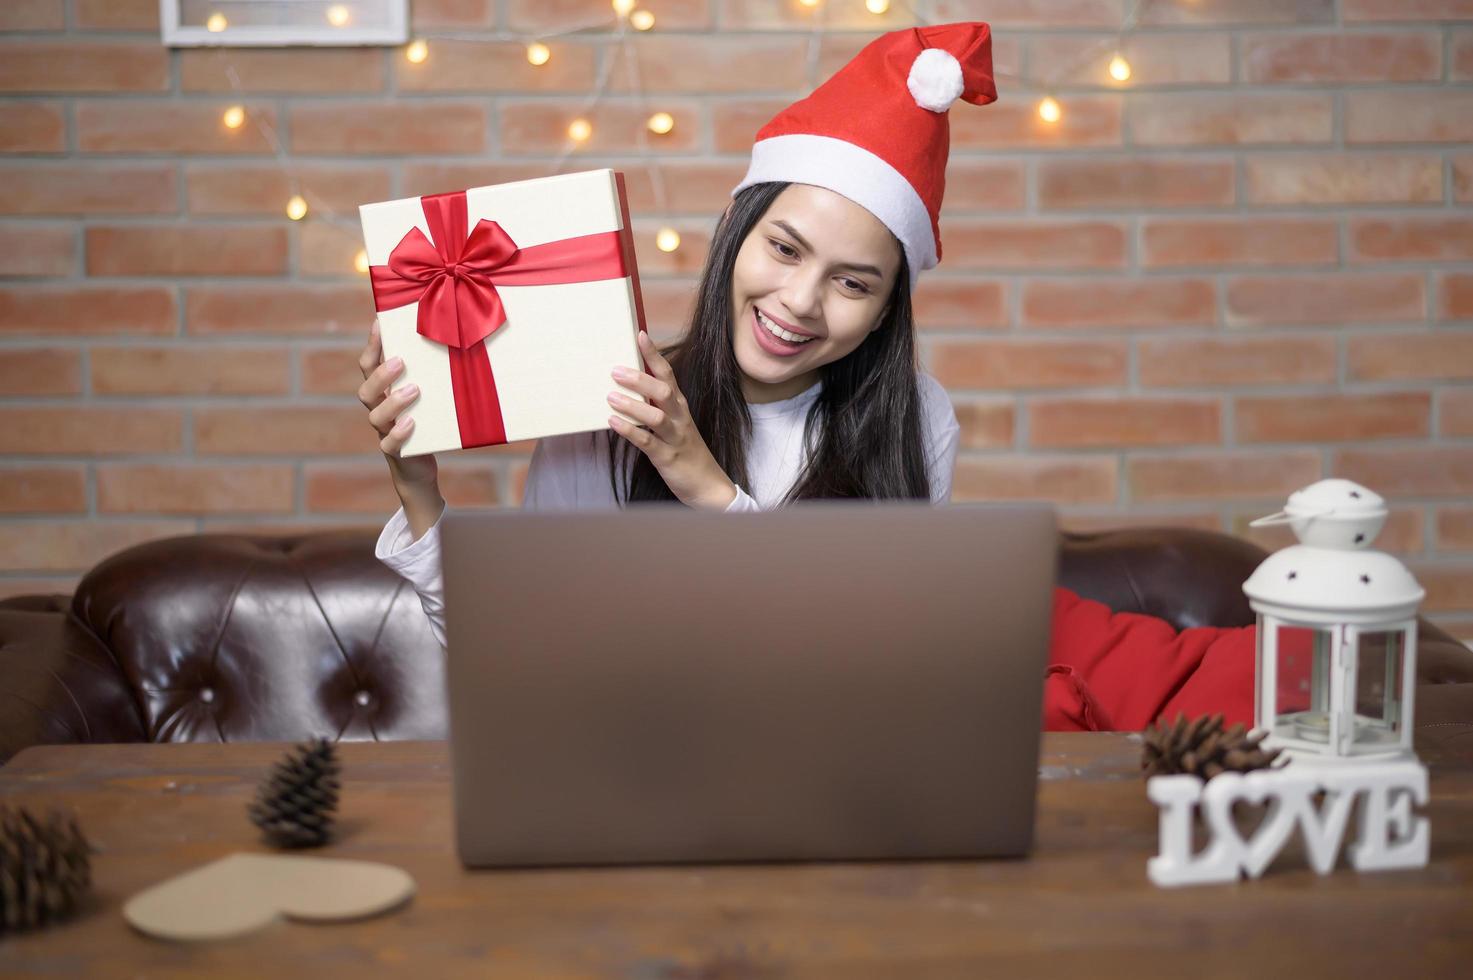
[{"x": 454, "y": 280}]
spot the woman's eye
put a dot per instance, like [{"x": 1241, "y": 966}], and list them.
[
  {"x": 783, "y": 250},
  {"x": 854, "y": 285}
]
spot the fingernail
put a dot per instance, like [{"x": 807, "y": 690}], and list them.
[
  {"x": 410, "y": 390},
  {"x": 622, "y": 373},
  {"x": 616, "y": 399},
  {"x": 396, "y": 362},
  {"x": 644, "y": 337}
]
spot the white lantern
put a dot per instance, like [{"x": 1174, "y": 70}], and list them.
[{"x": 1337, "y": 632}]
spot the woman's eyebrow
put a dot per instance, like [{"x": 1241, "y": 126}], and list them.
[{"x": 857, "y": 267}]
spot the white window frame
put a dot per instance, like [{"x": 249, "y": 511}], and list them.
[{"x": 177, "y": 35}]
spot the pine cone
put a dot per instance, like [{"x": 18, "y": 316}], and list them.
[
  {"x": 294, "y": 808},
  {"x": 1202, "y": 748},
  {"x": 45, "y": 868}
]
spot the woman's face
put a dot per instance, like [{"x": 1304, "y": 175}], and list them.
[{"x": 810, "y": 283}]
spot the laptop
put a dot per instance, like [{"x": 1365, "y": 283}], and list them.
[{"x": 824, "y": 682}]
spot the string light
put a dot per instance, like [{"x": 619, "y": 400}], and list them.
[
  {"x": 877, "y": 6},
  {"x": 1049, "y": 110},
  {"x": 417, "y": 51},
  {"x": 579, "y": 130},
  {"x": 661, "y": 123},
  {"x": 1119, "y": 68},
  {"x": 216, "y": 23},
  {"x": 538, "y": 53},
  {"x": 337, "y": 15},
  {"x": 642, "y": 20},
  {"x": 810, "y": 3},
  {"x": 234, "y": 117},
  {"x": 667, "y": 240},
  {"x": 623, "y": 7},
  {"x": 360, "y": 262},
  {"x": 296, "y": 208}
]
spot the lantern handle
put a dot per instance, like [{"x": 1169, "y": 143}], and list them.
[{"x": 1284, "y": 517}]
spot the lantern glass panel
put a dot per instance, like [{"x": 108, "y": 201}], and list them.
[
  {"x": 1302, "y": 683},
  {"x": 1379, "y": 659}
]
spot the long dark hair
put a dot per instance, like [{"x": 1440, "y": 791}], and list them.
[{"x": 866, "y": 421}]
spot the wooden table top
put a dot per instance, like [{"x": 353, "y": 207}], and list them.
[{"x": 1080, "y": 906}]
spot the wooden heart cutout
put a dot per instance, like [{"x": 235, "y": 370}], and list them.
[{"x": 244, "y": 892}]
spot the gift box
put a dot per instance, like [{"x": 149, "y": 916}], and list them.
[{"x": 509, "y": 304}]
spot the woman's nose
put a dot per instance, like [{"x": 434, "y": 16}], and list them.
[{"x": 800, "y": 293}]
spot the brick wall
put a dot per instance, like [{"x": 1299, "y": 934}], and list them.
[{"x": 1243, "y": 270}]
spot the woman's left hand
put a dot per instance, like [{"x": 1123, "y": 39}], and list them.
[{"x": 667, "y": 434}]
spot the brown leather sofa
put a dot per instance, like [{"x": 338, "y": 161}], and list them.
[{"x": 229, "y": 637}]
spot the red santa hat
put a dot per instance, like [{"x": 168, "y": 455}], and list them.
[{"x": 877, "y": 131}]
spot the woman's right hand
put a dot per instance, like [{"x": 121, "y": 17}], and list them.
[{"x": 416, "y": 478}]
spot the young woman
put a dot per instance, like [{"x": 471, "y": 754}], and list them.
[{"x": 797, "y": 378}]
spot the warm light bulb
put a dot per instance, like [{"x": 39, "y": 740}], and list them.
[
  {"x": 1049, "y": 110},
  {"x": 1119, "y": 68},
  {"x": 642, "y": 20},
  {"x": 579, "y": 130},
  {"x": 810, "y": 3},
  {"x": 538, "y": 53},
  {"x": 877, "y": 6},
  {"x": 667, "y": 240},
  {"x": 417, "y": 51},
  {"x": 337, "y": 15},
  {"x": 296, "y": 208},
  {"x": 360, "y": 262},
  {"x": 661, "y": 123},
  {"x": 234, "y": 117},
  {"x": 623, "y": 7},
  {"x": 216, "y": 23}
]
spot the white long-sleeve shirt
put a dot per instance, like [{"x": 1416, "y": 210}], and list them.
[{"x": 571, "y": 472}]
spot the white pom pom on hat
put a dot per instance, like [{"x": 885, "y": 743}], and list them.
[{"x": 878, "y": 133}]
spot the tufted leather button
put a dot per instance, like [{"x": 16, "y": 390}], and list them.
[
  {"x": 362, "y": 698},
  {"x": 207, "y": 695}
]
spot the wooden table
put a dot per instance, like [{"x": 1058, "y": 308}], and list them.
[{"x": 1080, "y": 907}]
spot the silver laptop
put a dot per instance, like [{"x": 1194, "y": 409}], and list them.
[{"x": 824, "y": 682}]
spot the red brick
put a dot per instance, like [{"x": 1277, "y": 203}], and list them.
[
  {"x": 213, "y": 370},
  {"x": 1135, "y": 183},
  {"x": 1187, "y": 363},
  {"x": 1449, "y": 585},
  {"x": 1221, "y": 476},
  {"x": 77, "y": 545},
  {"x": 667, "y": 305},
  {"x": 37, "y": 250},
  {"x": 1011, "y": 364},
  {"x": 1187, "y": 120},
  {"x": 329, "y": 250},
  {"x": 1093, "y": 120},
  {"x": 970, "y": 304},
  {"x": 1238, "y": 12},
  {"x": 1047, "y": 14},
  {"x": 1405, "y": 10},
  {"x": 406, "y": 127},
  {"x": 265, "y": 188},
  {"x": 190, "y": 489},
  {"x": 32, "y": 127},
  {"x": 1327, "y": 299},
  {"x": 1057, "y": 479},
  {"x": 147, "y": 126},
  {"x": 780, "y": 15},
  {"x": 1435, "y": 471},
  {"x": 331, "y": 370},
  {"x": 301, "y": 430},
  {"x": 1155, "y": 59},
  {"x": 1423, "y": 116},
  {"x": 1070, "y": 422},
  {"x": 687, "y": 260},
  {"x": 1332, "y": 418},
  {"x": 69, "y": 188},
  {"x": 1463, "y": 179},
  {"x": 618, "y": 127},
  {"x": 986, "y": 424},
  {"x": 1343, "y": 178},
  {"x": 284, "y": 308},
  {"x": 535, "y": 16},
  {"x": 1119, "y": 302},
  {"x": 983, "y": 185},
  {"x": 43, "y": 489},
  {"x": 116, "y": 15},
  {"x": 1379, "y": 58},
  {"x": 33, "y": 15},
  {"x": 1431, "y": 239},
  {"x": 1402, "y": 533},
  {"x": 79, "y": 310},
  {"x": 736, "y": 123},
  {"x": 707, "y": 63},
  {"x": 281, "y": 70},
  {"x": 367, "y": 489},
  {"x": 1455, "y": 528},
  {"x": 83, "y": 66},
  {"x": 499, "y": 66},
  {"x": 1400, "y": 356},
  {"x": 1455, "y": 297},
  {"x": 1455, "y": 416},
  {"x": 1035, "y": 244},
  {"x": 1277, "y": 242},
  {"x": 452, "y": 13},
  {"x": 110, "y": 431},
  {"x": 40, "y": 371},
  {"x": 688, "y": 185},
  {"x": 193, "y": 250},
  {"x": 1460, "y": 55}
]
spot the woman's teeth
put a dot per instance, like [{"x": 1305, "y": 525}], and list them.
[{"x": 779, "y": 332}]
